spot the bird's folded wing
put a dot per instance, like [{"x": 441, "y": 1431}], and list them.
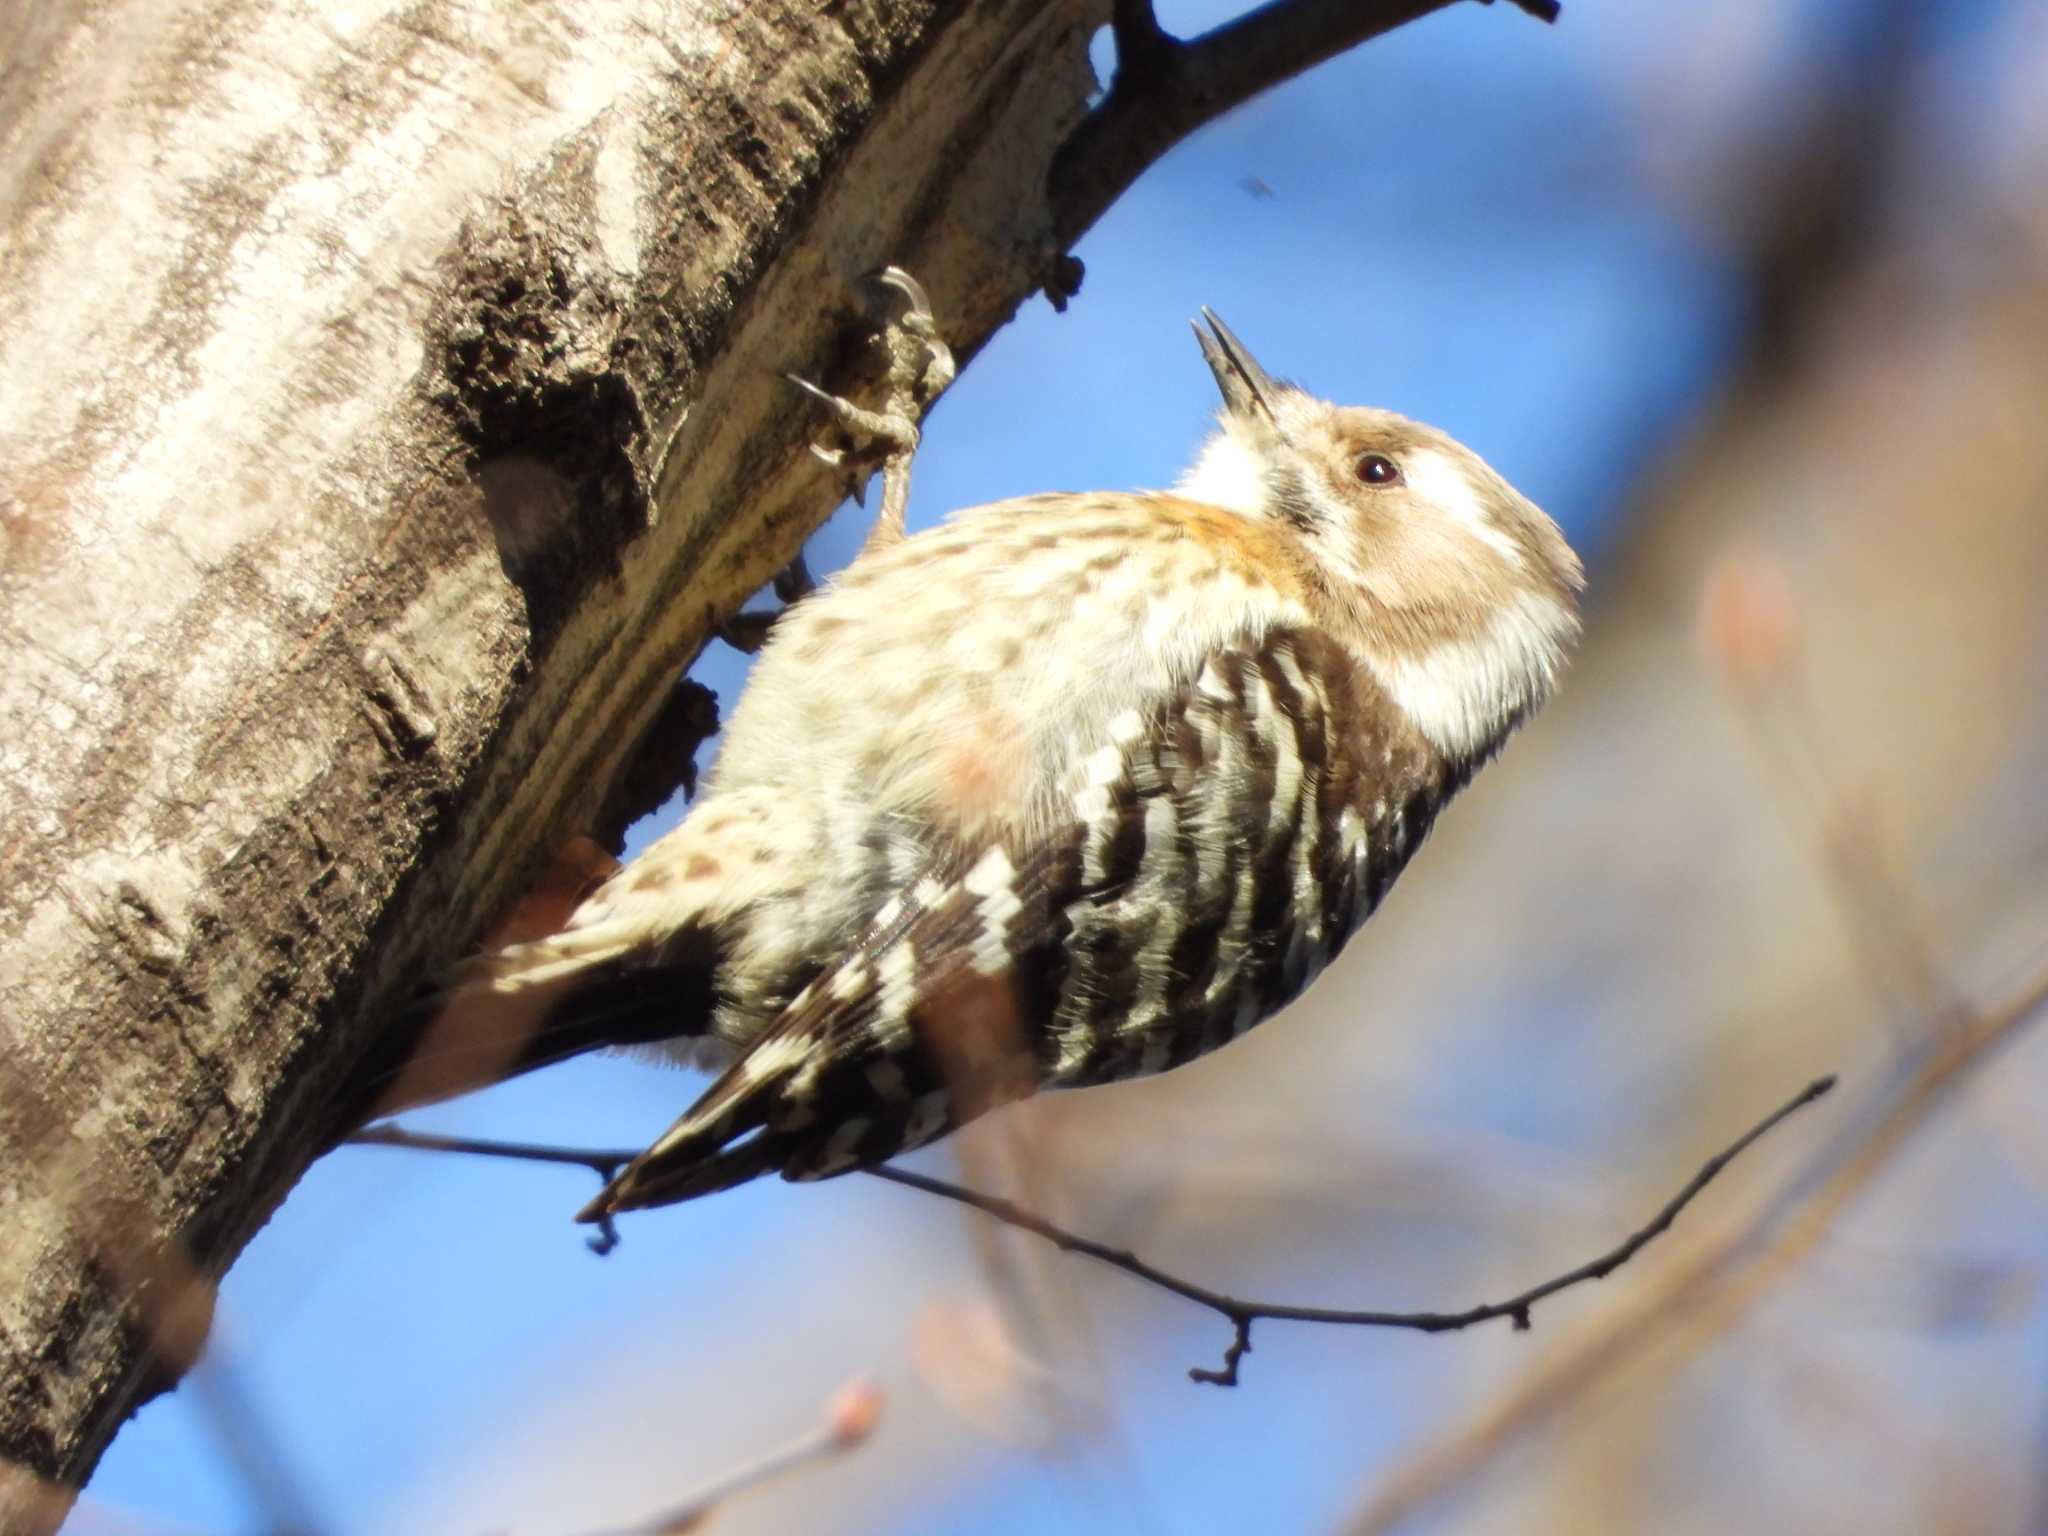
[{"x": 1204, "y": 867}]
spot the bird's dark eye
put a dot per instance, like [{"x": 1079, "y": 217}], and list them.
[{"x": 1378, "y": 469}]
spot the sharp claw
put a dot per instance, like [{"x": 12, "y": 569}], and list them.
[
  {"x": 888, "y": 434},
  {"x": 810, "y": 389},
  {"x": 908, "y": 286}
]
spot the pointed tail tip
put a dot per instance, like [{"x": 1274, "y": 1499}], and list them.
[{"x": 605, "y": 1203}]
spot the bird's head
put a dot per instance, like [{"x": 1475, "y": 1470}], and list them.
[{"x": 1454, "y": 588}]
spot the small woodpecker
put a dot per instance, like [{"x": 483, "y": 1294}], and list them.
[{"x": 1069, "y": 789}]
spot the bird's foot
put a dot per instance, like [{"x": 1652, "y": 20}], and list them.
[{"x": 919, "y": 367}]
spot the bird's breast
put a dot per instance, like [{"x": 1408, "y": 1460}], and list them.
[{"x": 1266, "y": 822}]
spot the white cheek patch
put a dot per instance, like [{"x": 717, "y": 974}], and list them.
[
  {"x": 1440, "y": 482},
  {"x": 1228, "y": 473},
  {"x": 1463, "y": 694}
]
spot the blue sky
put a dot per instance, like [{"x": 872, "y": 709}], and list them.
[{"x": 1461, "y": 227}]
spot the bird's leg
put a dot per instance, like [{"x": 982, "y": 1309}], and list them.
[{"x": 919, "y": 367}]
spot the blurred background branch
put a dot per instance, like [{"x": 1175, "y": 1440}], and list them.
[{"x": 1708, "y": 1286}]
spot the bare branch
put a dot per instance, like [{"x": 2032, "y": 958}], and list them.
[
  {"x": 1165, "y": 88},
  {"x": 603, "y": 1164},
  {"x": 600, "y": 1162},
  {"x": 1241, "y": 1314}
]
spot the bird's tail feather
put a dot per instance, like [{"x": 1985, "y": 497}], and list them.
[{"x": 533, "y": 1005}]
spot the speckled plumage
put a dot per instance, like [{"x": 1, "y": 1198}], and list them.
[{"x": 1069, "y": 789}]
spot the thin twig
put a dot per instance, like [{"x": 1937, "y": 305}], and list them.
[
  {"x": 1240, "y": 1313},
  {"x": 603, "y": 1164}
]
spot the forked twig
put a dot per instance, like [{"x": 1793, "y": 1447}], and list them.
[
  {"x": 1240, "y": 1313},
  {"x": 603, "y": 1164}
]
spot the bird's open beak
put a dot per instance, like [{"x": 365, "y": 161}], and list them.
[{"x": 1246, "y": 387}]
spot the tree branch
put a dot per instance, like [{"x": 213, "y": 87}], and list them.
[
  {"x": 602, "y": 1163},
  {"x": 1165, "y": 88},
  {"x": 1241, "y": 1314}
]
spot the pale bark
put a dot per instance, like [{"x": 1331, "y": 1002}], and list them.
[{"x": 388, "y": 406}]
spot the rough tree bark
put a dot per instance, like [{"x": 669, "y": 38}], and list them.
[{"x": 388, "y": 410}]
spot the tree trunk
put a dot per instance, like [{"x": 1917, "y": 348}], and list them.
[{"x": 389, "y": 407}]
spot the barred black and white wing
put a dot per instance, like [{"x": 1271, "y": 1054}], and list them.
[{"x": 1206, "y": 860}]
